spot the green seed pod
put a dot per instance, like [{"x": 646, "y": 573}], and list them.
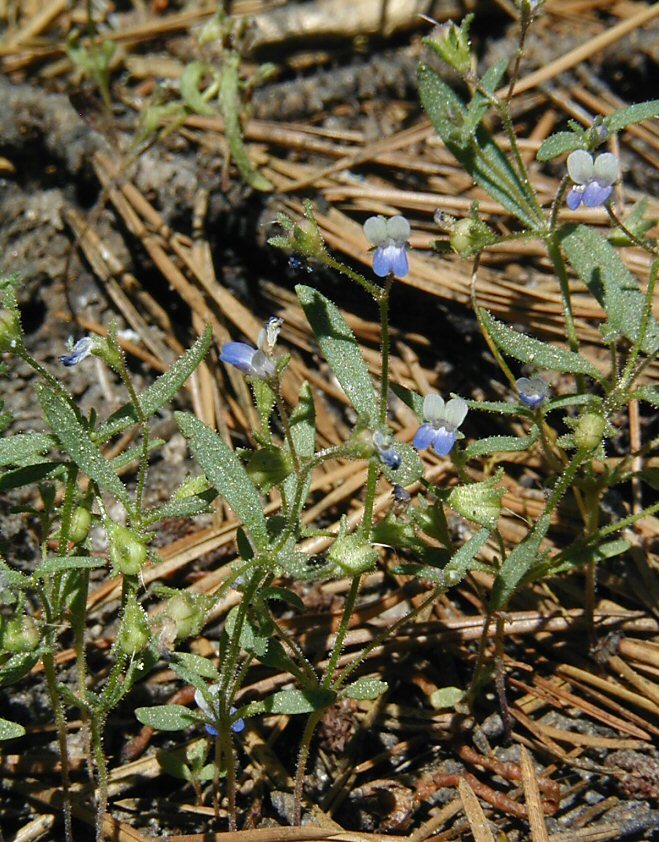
[
  {"x": 469, "y": 236},
  {"x": 307, "y": 239},
  {"x": 480, "y": 501},
  {"x": 134, "y": 634},
  {"x": 589, "y": 431},
  {"x": 80, "y": 522},
  {"x": 20, "y": 634},
  {"x": 10, "y": 330},
  {"x": 127, "y": 549},
  {"x": 187, "y": 613},
  {"x": 351, "y": 552}
]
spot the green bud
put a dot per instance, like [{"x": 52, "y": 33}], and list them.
[
  {"x": 187, "y": 613},
  {"x": 192, "y": 486},
  {"x": 470, "y": 236},
  {"x": 451, "y": 43},
  {"x": 10, "y": 330},
  {"x": 589, "y": 431},
  {"x": 351, "y": 552},
  {"x": 127, "y": 549},
  {"x": 20, "y": 634},
  {"x": 109, "y": 352},
  {"x": 269, "y": 466},
  {"x": 80, "y": 522},
  {"x": 134, "y": 634},
  {"x": 307, "y": 239},
  {"x": 480, "y": 501}
]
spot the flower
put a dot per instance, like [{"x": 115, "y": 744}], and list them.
[
  {"x": 532, "y": 390},
  {"x": 442, "y": 421},
  {"x": 386, "y": 454},
  {"x": 593, "y": 180},
  {"x": 256, "y": 362},
  {"x": 389, "y": 236},
  {"x": 78, "y": 351},
  {"x": 212, "y": 711}
]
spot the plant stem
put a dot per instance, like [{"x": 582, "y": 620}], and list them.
[
  {"x": 303, "y": 756},
  {"x": 348, "y": 608},
  {"x": 559, "y": 265},
  {"x": 333, "y": 263},
  {"x": 48, "y": 661},
  {"x": 384, "y": 346}
]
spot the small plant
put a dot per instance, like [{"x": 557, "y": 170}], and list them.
[{"x": 79, "y": 486}]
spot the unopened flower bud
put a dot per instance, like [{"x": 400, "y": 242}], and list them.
[
  {"x": 589, "y": 431},
  {"x": 451, "y": 43},
  {"x": 480, "y": 501},
  {"x": 80, "y": 522},
  {"x": 127, "y": 549},
  {"x": 469, "y": 236},
  {"x": 20, "y": 634},
  {"x": 351, "y": 552},
  {"x": 134, "y": 634},
  {"x": 187, "y": 614},
  {"x": 10, "y": 330}
]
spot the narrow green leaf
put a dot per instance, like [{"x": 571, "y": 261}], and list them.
[
  {"x": 195, "y": 504},
  {"x": 536, "y": 353},
  {"x": 14, "y": 450},
  {"x": 502, "y": 444},
  {"x": 10, "y": 730},
  {"x": 497, "y": 407},
  {"x": 521, "y": 559},
  {"x": 461, "y": 563},
  {"x": 167, "y": 717},
  {"x": 637, "y": 113},
  {"x": 446, "y": 697},
  {"x": 56, "y": 564},
  {"x": 17, "y": 667},
  {"x": 189, "y": 87},
  {"x": 160, "y": 392},
  {"x": 29, "y": 475},
  {"x": 558, "y": 144},
  {"x": 340, "y": 348},
  {"x": 74, "y": 439},
  {"x": 476, "y": 151},
  {"x": 293, "y": 702},
  {"x": 410, "y": 399},
  {"x": 479, "y": 104},
  {"x": 649, "y": 394},
  {"x": 230, "y": 105},
  {"x": 599, "y": 266},
  {"x": 364, "y": 689},
  {"x": 226, "y": 473},
  {"x": 199, "y": 665}
]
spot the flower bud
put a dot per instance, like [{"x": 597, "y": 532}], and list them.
[
  {"x": 134, "y": 634},
  {"x": 451, "y": 43},
  {"x": 10, "y": 330},
  {"x": 269, "y": 466},
  {"x": 469, "y": 236},
  {"x": 351, "y": 552},
  {"x": 480, "y": 501},
  {"x": 21, "y": 634},
  {"x": 80, "y": 522},
  {"x": 589, "y": 431},
  {"x": 187, "y": 613},
  {"x": 127, "y": 549},
  {"x": 307, "y": 239}
]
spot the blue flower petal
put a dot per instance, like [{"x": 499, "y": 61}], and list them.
[
  {"x": 212, "y": 731},
  {"x": 574, "y": 198},
  {"x": 424, "y": 436},
  {"x": 238, "y": 354},
  {"x": 381, "y": 262},
  {"x": 399, "y": 264},
  {"x": 443, "y": 441},
  {"x": 238, "y": 726},
  {"x": 596, "y": 194}
]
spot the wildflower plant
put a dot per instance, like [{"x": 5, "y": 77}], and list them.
[{"x": 80, "y": 482}]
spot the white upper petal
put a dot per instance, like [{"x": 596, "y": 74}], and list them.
[
  {"x": 455, "y": 412},
  {"x": 606, "y": 168},
  {"x": 580, "y": 166},
  {"x": 433, "y": 407},
  {"x": 375, "y": 229},
  {"x": 398, "y": 228}
]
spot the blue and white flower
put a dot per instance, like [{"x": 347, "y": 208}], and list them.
[
  {"x": 78, "y": 351},
  {"x": 442, "y": 421},
  {"x": 593, "y": 179},
  {"x": 532, "y": 390},
  {"x": 258, "y": 361},
  {"x": 382, "y": 442},
  {"x": 212, "y": 711},
  {"x": 389, "y": 236}
]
